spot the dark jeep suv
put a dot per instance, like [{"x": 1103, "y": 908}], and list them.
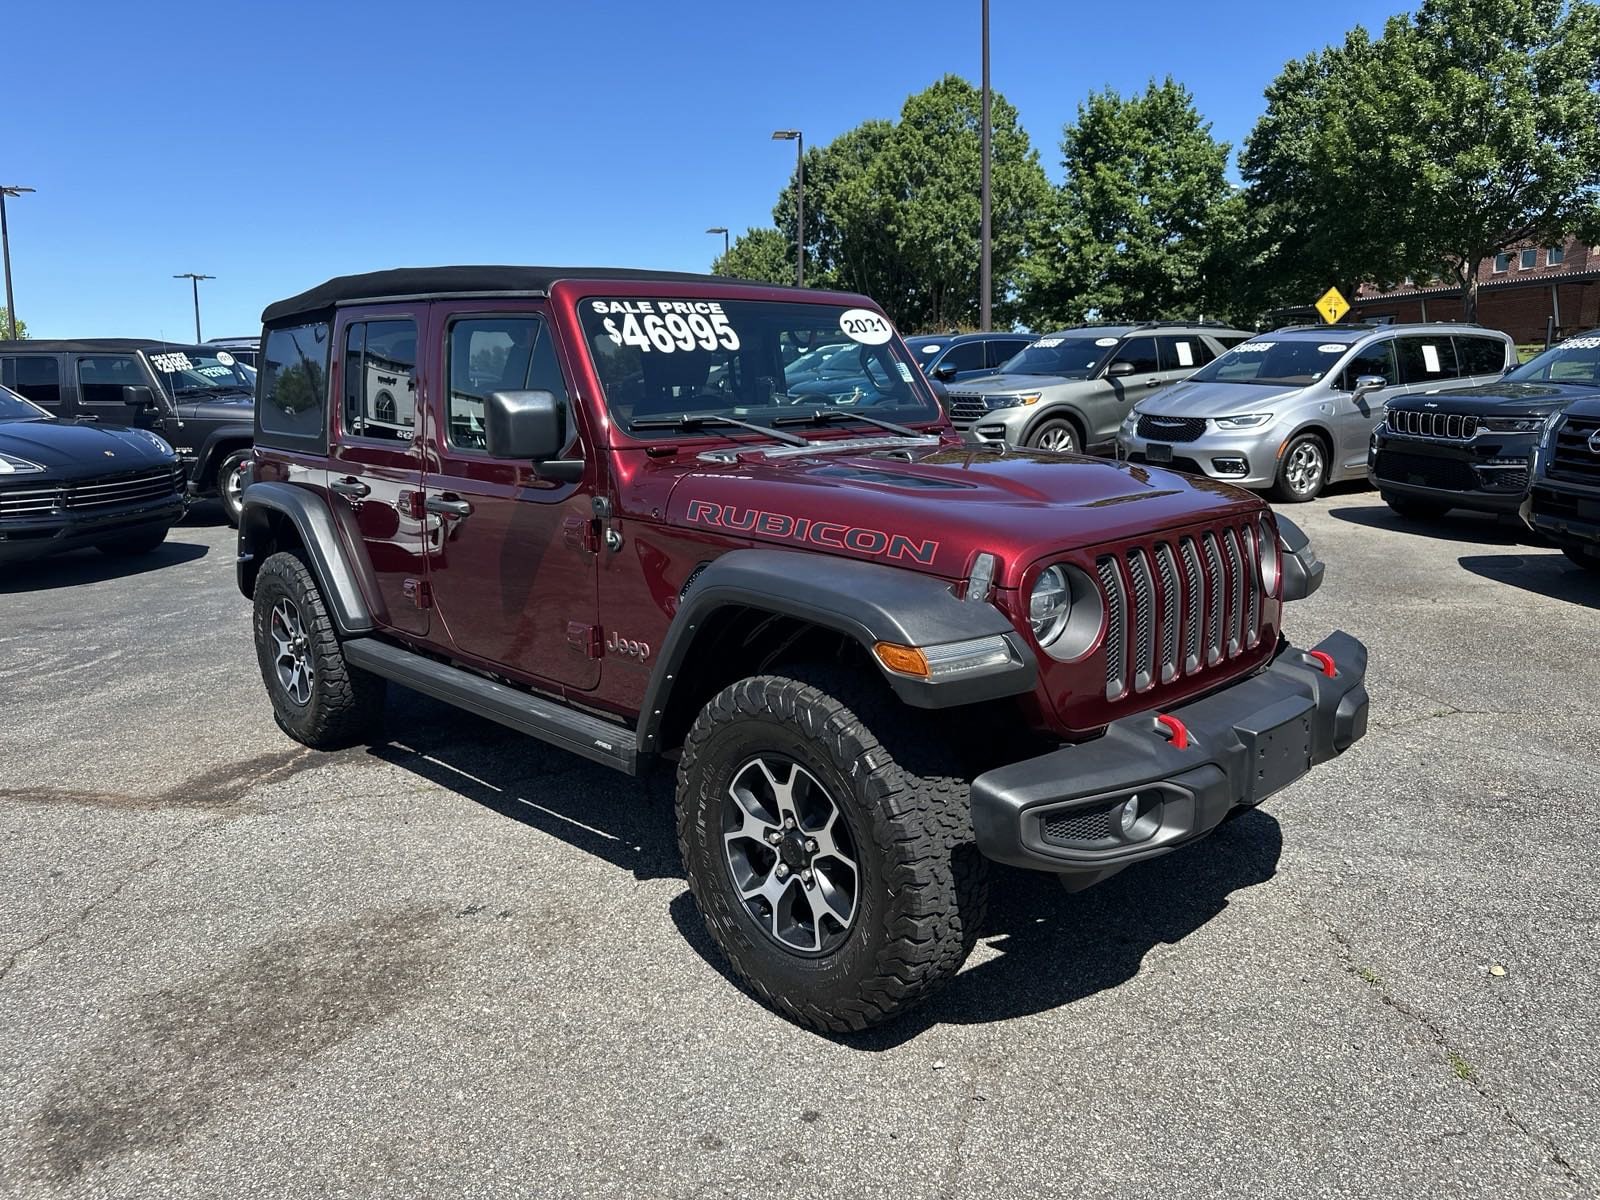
[
  {"x": 591, "y": 509},
  {"x": 198, "y": 398},
  {"x": 1563, "y": 501}
]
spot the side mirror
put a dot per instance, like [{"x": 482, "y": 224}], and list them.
[
  {"x": 530, "y": 426},
  {"x": 1120, "y": 367},
  {"x": 944, "y": 372},
  {"x": 141, "y": 404},
  {"x": 1368, "y": 383}
]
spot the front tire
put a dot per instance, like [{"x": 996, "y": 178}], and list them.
[
  {"x": 828, "y": 848},
  {"x": 1057, "y": 435},
  {"x": 1302, "y": 471},
  {"x": 230, "y": 484},
  {"x": 1410, "y": 506},
  {"x": 318, "y": 698}
]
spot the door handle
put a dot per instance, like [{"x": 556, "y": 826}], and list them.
[
  {"x": 445, "y": 506},
  {"x": 352, "y": 488}
]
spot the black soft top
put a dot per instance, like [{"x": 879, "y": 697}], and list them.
[
  {"x": 461, "y": 281},
  {"x": 89, "y": 345}
]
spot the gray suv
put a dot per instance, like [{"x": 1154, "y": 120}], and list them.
[
  {"x": 1070, "y": 390},
  {"x": 1293, "y": 410}
]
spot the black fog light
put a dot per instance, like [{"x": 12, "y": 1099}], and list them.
[
  {"x": 1140, "y": 816},
  {"x": 1230, "y": 466}
]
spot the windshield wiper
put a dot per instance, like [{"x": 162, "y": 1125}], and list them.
[
  {"x": 824, "y": 415},
  {"x": 689, "y": 421}
]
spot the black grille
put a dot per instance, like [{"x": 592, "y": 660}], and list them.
[
  {"x": 966, "y": 407},
  {"x": 1201, "y": 601},
  {"x": 1424, "y": 470},
  {"x": 1572, "y": 457},
  {"x": 1077, "y": 827},
  {"x": 25, "y": 500},
  {"x": 1171, "y": 429},
  {"x": 1433, "y": 424}
]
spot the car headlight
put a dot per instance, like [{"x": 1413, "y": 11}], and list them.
[
  {"x": 1020, "y": 400},
  {"x": 1512, "y": 424},
  {"x": 1049, "y": 605},
  {"x": 1065, "y": 612},
  {"x": 1270, "y": 563},
  {"x": 1130, "y": 423},
  {"x": 10, "y": 464},
  {"x": 1247, "y": 421}
]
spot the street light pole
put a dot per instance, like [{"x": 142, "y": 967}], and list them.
[
  {"x": 985, "y": 268},
  {"x": 13, "y": 190},
  {"x": 194, "y": 282},
  {"x": 795, "y": 136},
  {"x": 723, "y": 230}
]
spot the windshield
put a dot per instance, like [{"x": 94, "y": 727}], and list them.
[
  {"x": 1060, "y": 354},
  {"x": 1576, "y": 360},
  {"x": 1294, "y": 362},
  {"x": 201, "y": 370},
  {"x": 661, "y": 358},
  {"x": 14, "y": 408}
]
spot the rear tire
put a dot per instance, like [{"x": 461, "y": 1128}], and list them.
[
  {"x": 230, "y": 484},
  {"x": 1302, "y": 471},
  {"x": 318, "y": 698},
  {"x": 861, "y": 944},
  {"x": 1410, "y": 506},
  {"x": 1589, "y": 562},
  {"x": 134, "y": 545}
]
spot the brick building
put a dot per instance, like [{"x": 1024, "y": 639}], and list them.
[{"x": 1519, "y": 291}]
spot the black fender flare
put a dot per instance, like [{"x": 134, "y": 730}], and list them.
[
  {"x": 866, "y": 601},
  {"x": 217, "y": 443},
  {"x": 319, "y": 535},
  {"x": 1301, "y": 569}
]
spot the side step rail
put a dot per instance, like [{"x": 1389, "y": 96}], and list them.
[{"x": 600, "y": 741}]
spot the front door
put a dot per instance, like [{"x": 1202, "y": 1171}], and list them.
[
  {"x": 511, "y": 556},
  {"x": 1141, "y": 376},
  {"x": 1355, "y": 417},
  {"x": 376, "y": 470}
]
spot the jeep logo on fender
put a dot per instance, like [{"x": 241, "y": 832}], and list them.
[
  {"x": 818, "y": 533},
  {"x": 633, "y": 649}
]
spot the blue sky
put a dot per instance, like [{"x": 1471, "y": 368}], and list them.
[{"x": 273, "y": 151}]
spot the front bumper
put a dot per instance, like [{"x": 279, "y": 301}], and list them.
[
  {"x": 1567, "y": 516},
  {"x": 1246, "y": 458},
  {"x": 1488, "y": 473},
  {"x": 1061, "y": 812},
  {"x": 42, "y": 536}
]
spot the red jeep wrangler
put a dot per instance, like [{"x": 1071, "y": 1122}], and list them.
[{"x": 613, "y": 510}]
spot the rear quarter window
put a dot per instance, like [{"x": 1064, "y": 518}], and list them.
[
  {"x": 1480, "y": 355},
  {"x": 292, "y": 395}
]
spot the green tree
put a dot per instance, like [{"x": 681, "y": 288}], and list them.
[
  {"x": 1143, "y": 212},
  {"x": 758, "y": 253},
  {"x": 5, "y": 325}
]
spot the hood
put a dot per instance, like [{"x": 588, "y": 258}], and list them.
[
  {"x": 80, "y": 450},
  {"x": 992, "y": 384},
  {"x": 931, "y": 509},
  {"x": 1503, "y": 399},
  {"x": 1215, "y": 399}
]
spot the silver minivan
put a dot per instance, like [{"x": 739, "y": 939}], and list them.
[{"x": 1293, "y": 410}]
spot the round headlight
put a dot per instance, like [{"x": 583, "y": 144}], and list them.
[
  {"x": 1049, "y": 605},
  {"x": 1269, "y": 558}
]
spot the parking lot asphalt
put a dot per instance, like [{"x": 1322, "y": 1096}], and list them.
[{"x": 460, "y": 963}]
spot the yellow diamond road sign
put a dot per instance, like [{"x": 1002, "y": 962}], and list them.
[{"x": 1332, "y": 306}]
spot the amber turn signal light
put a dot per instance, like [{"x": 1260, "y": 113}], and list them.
[{"x": 907, "y": 660}]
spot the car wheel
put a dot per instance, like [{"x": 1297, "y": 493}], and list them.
[
  {"x": 1302, "y": 471},
  {"x": 230, "y": 484},
  {"x": 318, "y": 698},
  {"x": 1057, "y": 435},
  {"x": 828, "y": 848},
  {"x": 1410, "y": 506},
  {"x": 1589, "y": 562},
  {"x": 130, "y": 547}
]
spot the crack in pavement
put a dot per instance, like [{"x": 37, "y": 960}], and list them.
[{"x": 1452, "y": 1055}]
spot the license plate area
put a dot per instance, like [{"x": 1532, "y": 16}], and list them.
[
  {"x": 1278, "y": 742},
  {"x": 1158, "y": 452}
]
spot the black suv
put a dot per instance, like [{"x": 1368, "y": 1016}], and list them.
[
  {"x": 1564, "y": 500},
  {"x": 199, "y": 398},
  {"x": 1472, "y": 448}
]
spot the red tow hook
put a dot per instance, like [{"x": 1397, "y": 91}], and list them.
[
  {"x": 1177, "y": 731},
  {"x": 1326, "y": 659}
]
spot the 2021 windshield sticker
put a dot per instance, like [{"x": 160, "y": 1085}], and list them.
[
  {"x": 170, "y": 363},
  {"x": 667, "y": 326},
  {"x": 865, "y": 326}
]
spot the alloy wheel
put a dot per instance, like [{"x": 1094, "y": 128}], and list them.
[
  {"x": 790, "y": 855},
  {"x": 1304, "y": 468},
  {"x": 292, "y": 660},
  {"x": 1059, "y": 439}
]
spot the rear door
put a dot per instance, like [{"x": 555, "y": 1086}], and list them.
[
  {"x": 1182, "y": 354},
  {"x": 512, "y": 557},
  {"x": 35, "y": 377},
  {"x": 375, "y": 467}
]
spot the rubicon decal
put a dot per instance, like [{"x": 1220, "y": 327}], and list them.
[{"x": 818, "y": 533}]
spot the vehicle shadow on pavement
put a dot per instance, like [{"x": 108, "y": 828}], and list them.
[
  {"x": 1452, "y": 527},
  {"x": 1543, "y": 574},
  {"x": 90, "y": 566},
  {"x": 626, "y": 822},
  {"x": 1046, "y": 947}
]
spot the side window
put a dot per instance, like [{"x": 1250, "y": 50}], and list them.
[
  {"x": 380, "y": 380},
  {"x": 1480, "y": 355},
  {"x": 1002, "y": 349},
  {"x": 968, "y": 356},
  {"x": 1141, "y": 352},
  {"x": 101, "y": 378},
  {"x": 498, "y": 354},
  {"x": 1426, "y": 359},
  {"x": 35, "y": 377},
  {"x": 1375, "y": 359},
  {"x": 291, "y": 409},
  {"x": 1182, "y": 351}
]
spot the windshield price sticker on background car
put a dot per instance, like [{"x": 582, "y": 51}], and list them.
[
  {"x": 667, "y": 326},
  {"x": 1254, "y": 347},
  {"x": 1330, "y": 348},
  {"x": 1581, "y": 343},
  {"x": 1185, "y": 353},
  {"x": 225, "y": 358},
  {"x": 172, "y": 362},
  {"x": 1046, "y": 343},
  {"x": 865, "y": 326},
  {"x": 1097, "y": 342}
]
